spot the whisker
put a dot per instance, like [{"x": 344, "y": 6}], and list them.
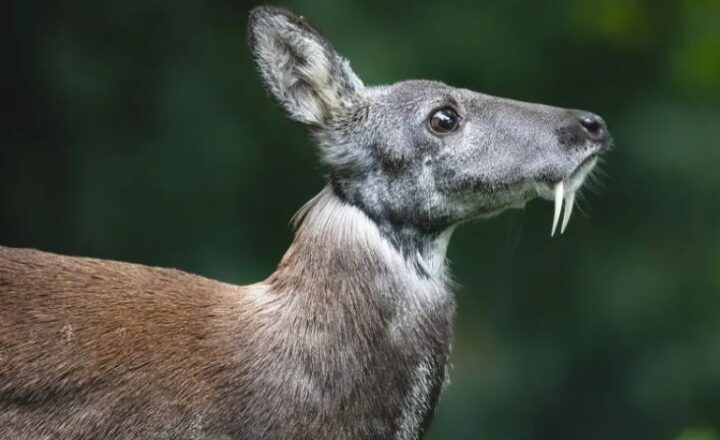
[{"x": 581, "y": 203}]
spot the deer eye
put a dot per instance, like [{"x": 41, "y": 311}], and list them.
[{"x": 444, "y": 120}]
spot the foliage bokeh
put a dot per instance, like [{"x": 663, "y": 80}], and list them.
[{"x": 138, "y": 130}]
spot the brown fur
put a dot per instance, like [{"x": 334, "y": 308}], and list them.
[{"x": 84, "y": 340}]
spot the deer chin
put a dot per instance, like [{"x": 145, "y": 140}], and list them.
[{"x": 562, "y": 192}]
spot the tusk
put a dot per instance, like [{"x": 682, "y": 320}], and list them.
[
  {"x": 569, "y": 204},
  {"x": 559, "y": 194}
]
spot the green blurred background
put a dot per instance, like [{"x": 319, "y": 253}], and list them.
[{"x": 138, "y": 130}]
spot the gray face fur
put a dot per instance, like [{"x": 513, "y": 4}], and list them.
[{"x": 382, "y": 154}]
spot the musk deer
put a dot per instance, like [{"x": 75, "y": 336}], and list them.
[{"x": 349, "y": 338}]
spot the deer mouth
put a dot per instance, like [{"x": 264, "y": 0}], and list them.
[{"x": 562, "y": 193}]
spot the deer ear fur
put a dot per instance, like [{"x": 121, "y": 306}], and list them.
[{"x": 300, "y": 68}]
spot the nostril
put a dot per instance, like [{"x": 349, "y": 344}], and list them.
[
  {"x": 593, "y": 125},
  {"x": 580, "y": 127}
]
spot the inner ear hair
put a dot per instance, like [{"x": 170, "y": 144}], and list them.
[{"x": 299, "y": 67}]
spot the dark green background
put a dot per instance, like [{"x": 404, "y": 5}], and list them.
[{"x": 138, "y": 130}]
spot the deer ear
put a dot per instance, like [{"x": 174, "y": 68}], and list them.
[{"x": 300, "y": 68}]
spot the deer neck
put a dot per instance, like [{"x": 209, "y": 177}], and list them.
[{"x": 354, "y": 310}]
